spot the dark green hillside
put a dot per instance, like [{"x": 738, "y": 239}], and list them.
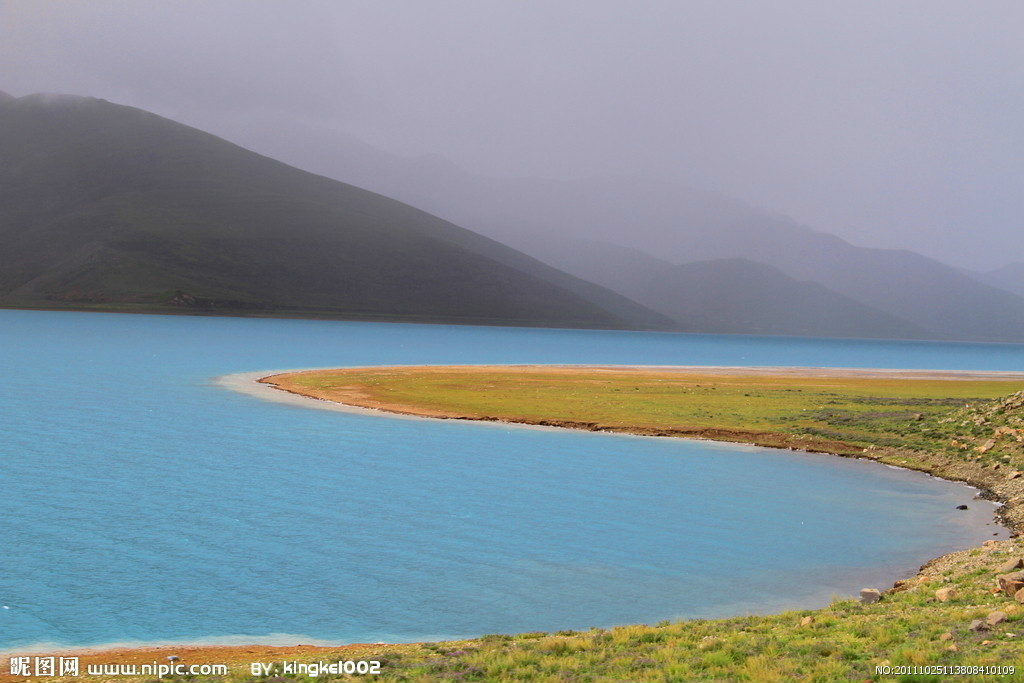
[{"x": 106, "y": 206}]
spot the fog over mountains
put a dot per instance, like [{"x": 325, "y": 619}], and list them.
[
  {"x": 782, "y": 168},
  {"x": 888, "y": 125},
  {"x": 1009, "y": 277},
  {"x": 627, "y": 233},
  {"x": 107, "y": 207}
]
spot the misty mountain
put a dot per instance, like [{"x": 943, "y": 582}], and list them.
[
  {"x": 526, "y": 213},
  {"x": 741, "y": 296},
  {"x": 110, "y": 207},
  {"x": 730, "y": 295},
  {"x": 548, "y": 219},
  {"x": 1010, "y": 277}
]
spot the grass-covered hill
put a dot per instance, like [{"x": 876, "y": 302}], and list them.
[{"x": 108, "y": 207}]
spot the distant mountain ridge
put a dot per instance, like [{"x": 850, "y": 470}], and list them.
[
  {"x": 552, "y": 220},
  {"x": 107, "y": 206},
  {"x": 1009, "y": 277},
  {"x": 742, "y": 296},
  {"x": 736, "y": 296}
]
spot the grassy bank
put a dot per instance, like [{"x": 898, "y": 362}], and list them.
[
  {"x": 966, "y": 427},
  {"x": 832, "y": 411}
]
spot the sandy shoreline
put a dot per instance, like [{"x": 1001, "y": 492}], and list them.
[{"x": 1009, "y": 493}]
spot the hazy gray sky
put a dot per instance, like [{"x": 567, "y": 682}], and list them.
[{"x": 892, "y": 124}]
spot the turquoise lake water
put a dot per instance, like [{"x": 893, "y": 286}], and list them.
[{"x": 141, "y": 501}]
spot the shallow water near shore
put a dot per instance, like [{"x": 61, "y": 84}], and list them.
[{"x": 144, "y": 502}]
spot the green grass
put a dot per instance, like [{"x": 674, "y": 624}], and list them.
[
  {"x": 845, "y": 642},
  {"x": 837, "y": 414}
]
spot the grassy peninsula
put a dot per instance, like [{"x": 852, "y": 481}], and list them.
[{"x": 837, "y": 410}]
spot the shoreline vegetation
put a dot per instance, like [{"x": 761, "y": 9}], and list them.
[{"x": 963, "y": 426}]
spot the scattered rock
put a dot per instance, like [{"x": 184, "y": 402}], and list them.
[
  {"x": 1010, "y": 565},
  {"x": 1019, "y": 596},
  {"x": 1017, "y": 434},
  {"x": 181, "y": 298},
  {"x": 946, "y": 636},
  {"x": 989, "y": 544},
  {"x": 995, "y": 618},
  {"x": 978, "y": 626},
  {"x": 945, "y": 594},
  {"x": 961, "y": 507},
  {"x": 807, "y": 621},
  {"x": 1014, "y": 475},
  {"x": 986, "y": 642},
  {"x": 987, "y": 446},
  {"x": 706, "y": 642},
  {"x": 1010, "y": 583},
  {"x": 953, "y": 648},
  {"x": 870, "y": 595}
]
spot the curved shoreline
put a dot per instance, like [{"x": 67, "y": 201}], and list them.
[{"x": 1010, "y": 493}]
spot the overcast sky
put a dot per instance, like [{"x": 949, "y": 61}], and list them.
[{"x": 891, "y": 124}]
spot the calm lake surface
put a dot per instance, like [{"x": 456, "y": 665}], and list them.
[{"x": 141, "y": 501}]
